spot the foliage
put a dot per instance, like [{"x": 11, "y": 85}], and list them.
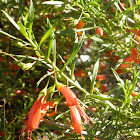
[{"x": 84, "y": 44}]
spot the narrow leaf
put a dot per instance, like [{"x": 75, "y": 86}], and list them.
[
  {"x": 13, "y": 37},
  {"x": 108, "y": 5},
  {"x": 43, "y": 77},
  {"x": 94, "y": 74},
  {"x": 92, "y": 3},
  {"x": 118, "y": 78},
  {"x": 22, "y": 29},
  {"x": 45, "y": 36},
  {"x": 11, "y": 20},
  {"x": 31, "y": 11},
  {"x": 97, "y": 39},
  {"x": 31, "y": 17},
  {"x": 77, "y": 48},
  {"x": 51, "y": 39},
  {"x": 25, "y": 19}
]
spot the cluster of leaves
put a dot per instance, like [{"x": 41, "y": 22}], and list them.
[{"x": 43, "y": 44}]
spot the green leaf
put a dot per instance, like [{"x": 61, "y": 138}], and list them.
[
  {"x": 26, "y": 66},
  {"x": 94, "y": 74},
  {"x": 31, "y": 17},
  {"x": 111, "y": 105},
  {"x": 97, "y": 39},
  {"x": 61, "y": 115},
  {"x": 118, "y": 78},
  {"x": 22, "y": 29},
  {"x": 13, "y": 37},
  {"x": 108, "y": 5},
  {"x": 33, "y": 39},
  {"x": 45, "y": 36},
  {"x": 82, "y": 2},
  {"x": 43, "y": 77},
  {"x": 44, "y": 91},
  {"x": 31, "y": 11},
  {"x": 11, "y": 20},
  {"x": 52, "y": 40},
  {"x": 26, "y": 19},
  {"x": 100, "y": 97},
  {"x": 77, "y": 48},
  {"x": 92, "y": 3},
  {"x": 135, "y": 77}
]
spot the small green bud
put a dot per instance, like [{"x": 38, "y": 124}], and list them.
[
  {"x": 26, "y": 66},
  {"x": 86, "y": 15}
]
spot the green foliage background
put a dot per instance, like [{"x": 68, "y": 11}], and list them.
[{"x": 44, "y": 39}]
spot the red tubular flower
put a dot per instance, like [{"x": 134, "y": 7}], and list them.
[
  {"x": 80, "y": 25},
  {"x": 88, "y": 43},
  {"x": 80, "y": 73},
  {"x": 70, "y": 97},
  {"x": 128, "y": 60},
  {"x": 134, "y": 54},
  {"x": 83, "y": 113},
  {"x": 136, "y": 31},
  {"x": 76, "y": 119},
  {"x": 37, "y": 112},
  {"x": 101, "y": 86},
  {"x": 99, "y": 31},
  {"x": 33, "y": 118},
  {"x": 2, "y": 133},
  {"x": 75, "y": 109},
  {"x": 134, "y": 94},
  {"x": 100, "y": 77},
  {"x": 46, "y": 106}
]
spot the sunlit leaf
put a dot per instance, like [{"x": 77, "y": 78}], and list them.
[
  {"x": 11, "y": 20},
  {"x": 46, "y": 35},
  {"x": 77, "y": 48}
]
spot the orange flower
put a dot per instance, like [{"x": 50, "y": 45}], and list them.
[
  {"x": 127, "y": 60},
  {"x": 37, "y": 112},
  {"x": 88, "y": 43},
  {"x": 76, "y": 119},
  {"x": 134, "y": 54},
  {"x": 2, "y": 133},
  {"x": 134, "y": 94},
  {"x": 69, "y": 95},
  {"x": 83, "y": 113},
  {"x": 46, "y": 106},
  {"x": 100, "y": 77},
  {"x": 75, "y": 109},
  {"x": 80, "y": 25},
  {"x": 136, "y": 31},
  {"x": 101, "y": 86},
  {"x": 134, "y": 57},
  {"x": 93, "y": 108},
  {"x": 80, "y": 73},
  {"x": 99, "y": 31},
  {"x": 20, "y": 91},
  {"x": 102, "y": 66}
]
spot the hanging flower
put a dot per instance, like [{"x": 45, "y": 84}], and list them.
[
  {"x": 76, "y": 119},
  {"x": 136, "y": 31},
  {"x": 75, "y": 109},
  {"x": 69, "y": 95},
  {"x": 80, "y": 25},
  {"x": 126, "y": 63},
  {"x": 37, "y": 112},
  {"x": 83, "y": 113},
  {"x": 99, "y": 31},
  {"x": 134, "y": 54}
]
